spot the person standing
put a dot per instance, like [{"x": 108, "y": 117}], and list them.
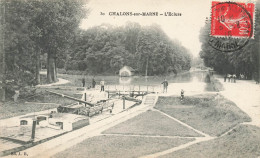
[
  {"x": 182, "y": 94},
  {"x": 93, "y": 83},
  {"x": 234, "y": 77},
  {"x": 83, "y": 82},
  {"x": 229, "y": 76},
  {"x": 102, "y": 84},
  {"x": 165, "y": 85}
]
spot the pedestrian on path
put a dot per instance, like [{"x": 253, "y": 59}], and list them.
[
  {"x": 225, "y": 78},
  {"x": 182, "y": 94},
  {"x": 234, "y": 78},
  {"x": 93, "y": 83},
  {"x": 165, "y": 85},
  {"x": 102, "y": 84},
  {"x": 229, "y": 76},
  {"x": 83, "y": 82}
]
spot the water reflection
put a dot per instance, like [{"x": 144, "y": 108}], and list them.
[
  {"x": 187, "y": 77},
  {"x": 125, "y": 80},
  {"x": 155, "y": 80}
]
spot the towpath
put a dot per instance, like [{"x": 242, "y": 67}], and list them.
[{"x": 246, "y": 95}]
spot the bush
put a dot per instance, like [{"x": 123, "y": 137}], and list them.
[
  {"x": 62, "y": 71},
  {"x": 76, "y": 72},
  {"x": 71, "y": 65}
]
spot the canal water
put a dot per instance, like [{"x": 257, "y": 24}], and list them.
[{"x": 188, "y": 81}]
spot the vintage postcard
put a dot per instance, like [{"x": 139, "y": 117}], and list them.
[{"x": 123, "y": 79}]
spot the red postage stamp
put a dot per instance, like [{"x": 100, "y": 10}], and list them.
[{"x": 232, "y": 19}]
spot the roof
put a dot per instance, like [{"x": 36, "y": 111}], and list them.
[{"x": 128, "y": 67}]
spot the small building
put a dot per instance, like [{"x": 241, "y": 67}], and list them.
[{"x": 126, "y": 71}]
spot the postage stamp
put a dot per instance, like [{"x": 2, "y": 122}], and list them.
[
  {"x": 232, "y": 25},
  {"x": 232, "y": 19}
]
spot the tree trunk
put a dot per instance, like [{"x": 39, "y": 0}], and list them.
[
  {"x": 3, "y": 60},
  {"x": 146, "y": 68},
  {"x": 258, "y": 68},
  {"x": 37, "y": 71},
  {"x": 3, "y": 77},
  {"x": 51, "y": 68}
]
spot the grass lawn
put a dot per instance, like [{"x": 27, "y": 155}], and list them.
[
  {"x": 242, "y": 142},
  {"x": 120, "y": 146},
  {"x": 210, "y": 113},
  {"x": 152, "y": 123}
]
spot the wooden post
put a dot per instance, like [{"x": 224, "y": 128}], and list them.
[
  {"x": 33, "y": 129},
  {"x": 139, "y": 90},
  {"x": 123, "y": 102},
  {"x": 108, "y": 95},
  {"x": 119, "y": 93},
  {"x": 85, "y": 98}
]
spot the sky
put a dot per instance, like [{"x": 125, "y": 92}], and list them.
[{"x": 184, "y": 28}]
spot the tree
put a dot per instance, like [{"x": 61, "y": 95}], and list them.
[
  {"x": 57, "y": 22},
  {"x": 105, "y": 49},
  {"x": 31, "y": 28},
  {"x": 18, "y": 48}
]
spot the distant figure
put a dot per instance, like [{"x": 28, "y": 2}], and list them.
[
  {"x": 225, "y": 78},
  {"x": 207, "y": 78},
  {"x": 234, "y": 78},
  {"x": 165, "y": 85},
  {"x": 102, "y": 84},
  {"x": 83, "y": 82},
  {"x": 242, "y": 76},
  {"x": 231, "y": 78},
  {"x": 16, "y": 95},
  {"x": 93, "y": 83},
  {"x": 182, "y": 94},
  {"x": 228, "y": 76}
]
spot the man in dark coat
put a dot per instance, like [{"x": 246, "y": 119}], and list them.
[
  {"x": 165, "y": 85},
  {"x": 83, "y": 82},
  {"x": 93, "y": 83}
]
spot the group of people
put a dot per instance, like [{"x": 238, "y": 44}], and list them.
[
  {"x": 230, "y": 78},
  {"x": 102, "y": 84}
]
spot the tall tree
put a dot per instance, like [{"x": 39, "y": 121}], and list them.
[
  {"x": 31, "y": 28},
  {"x": 57, "y": 22}
]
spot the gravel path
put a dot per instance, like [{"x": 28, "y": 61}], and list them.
[{"x": 246, "y": 95}]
